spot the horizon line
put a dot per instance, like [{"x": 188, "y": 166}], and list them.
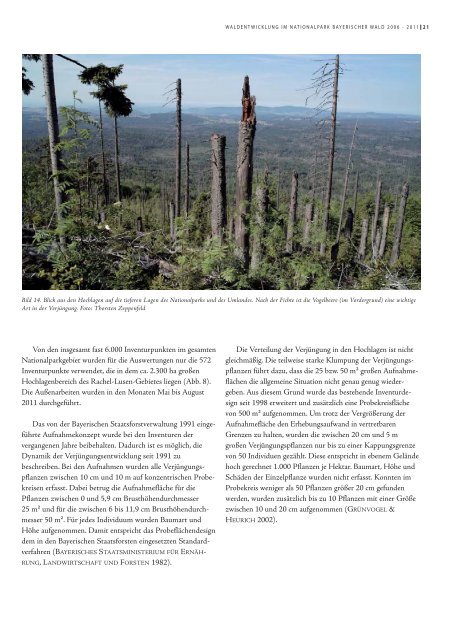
[{"x": 163, "y": 109}]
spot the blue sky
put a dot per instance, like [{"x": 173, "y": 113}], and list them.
[{"x": 380, "y": 83}]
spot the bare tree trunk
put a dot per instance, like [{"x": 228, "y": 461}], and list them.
[
  {"x": 356, "y": 189},
  {"x": 187, "y": 179},
  {"x": 163, "y": 203},
  {"x": 178, "y": 150},
  {"x": 399, "y": 226},
  {"x": 262, "y": 206},
  {"x": 308, "y": 219},
  {"x": 328, "y": 193},
  {"x": 349, "y": 224},
  {"x": 54, "y": 136},
  {"x": 310, "y": 215},
  {"x": 385, "y": 224},
  {"x": 363, "y": 237},
  {"x": 117, "y": 161},
  {"x": 218, "y": 188},
  {"x": 292, "y": 212},
  {"x": 172, "y": 216},
  {"x": 230, "y": 222},
  {"x": 346, "y": 183},
  {"x": 104, "y": 168},
  {"x": 377, "y": 243},
  {"x": 377, "y": 204},
  {"x": 244, "y": 172}
]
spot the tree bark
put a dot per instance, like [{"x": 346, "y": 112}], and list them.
[
  {"x": 377, "y": 243},
  {"x": 292, "y": 212},
  {"x": 178, "y": 150},
  {"x": 377, "y": 204},
  {"x": 172, "y": 216},
  {"x": 187, "y": 179},
  {"x": 356, "y": 189},
  {"x": 117, "y": 161},
  {"x": 349, "y": 224},
  {"x": 328, "y": 193},
  {"x": 163, "y": 203},
  {"x": 261, "y": 211},
  {"x": 346, "y": 183},
  {"x": 385, "y": 224},
  {"x": 54, "y": 136},
  {"x": 244, "y": 172},
  {"x": 363, "y": 237},
  {"x": 218, "y": 186},
  {"x": 399, "y": 226},
  {"x": 308, "y": 219}
]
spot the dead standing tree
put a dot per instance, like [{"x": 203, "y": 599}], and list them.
[
  {"x": 172, "y": 218},
  {"x": 244, "y": 172},
  {"x": 176, "y": 97},
  {"x": 364, "y": 235},
  {"x": 292, "y": 212},
  {"x": 218, "y": 187},
  {"x": 178, "y": 150},
  {"x": 54, "y": 137},
  {"x": 259, "y": 223},
  {"x": 325, "y": 87},
  {"x": 377, "y": 204},
  {"x": 356, "y": 193},
  {"x": 385, "y": 224},
  {"x": 187, "y": 200},
  {"x": 399, "y": 226}
]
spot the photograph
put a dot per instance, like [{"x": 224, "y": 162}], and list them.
[{"x": 221, "y": 172}]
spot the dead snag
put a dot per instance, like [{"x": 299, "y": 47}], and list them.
[
  {"x": 54, "y": 139},
  {"x": 178, "y": 149},
  {"x": 363, "y": 237},
  {"x": 377, "y": 243},
  {"x": 356, "y": 189},
  {"x": 385, "y": 224},
  {"x": 377, "y": 204},
  {"x": 292, "y": 212},
  {"x": 349, "y": 224},
  {"x": 162, "y": 204},
  {"x": 187, "y": 203},
  {"x": 328, "y": 192},
  {"x": 308, "y": 219},
  {"x": 399, "y": 226},
  {"x": 259, "y": 222},
  {"x": 244, "y": 172},
  {"x": 218, "y": 186},
  {"x": 171, "y": 215}
]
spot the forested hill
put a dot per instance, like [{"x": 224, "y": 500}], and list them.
[{"x": 388, "y": 144}]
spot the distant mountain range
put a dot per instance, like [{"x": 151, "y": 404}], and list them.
[
  {"x": 234, "y": 113},
  {"x": 285, "y": 111}
]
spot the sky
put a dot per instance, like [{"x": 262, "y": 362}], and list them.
[{"x": 378, "y": 83}]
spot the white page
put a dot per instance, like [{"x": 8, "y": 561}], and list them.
[{"x": 351, "y": 575}]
